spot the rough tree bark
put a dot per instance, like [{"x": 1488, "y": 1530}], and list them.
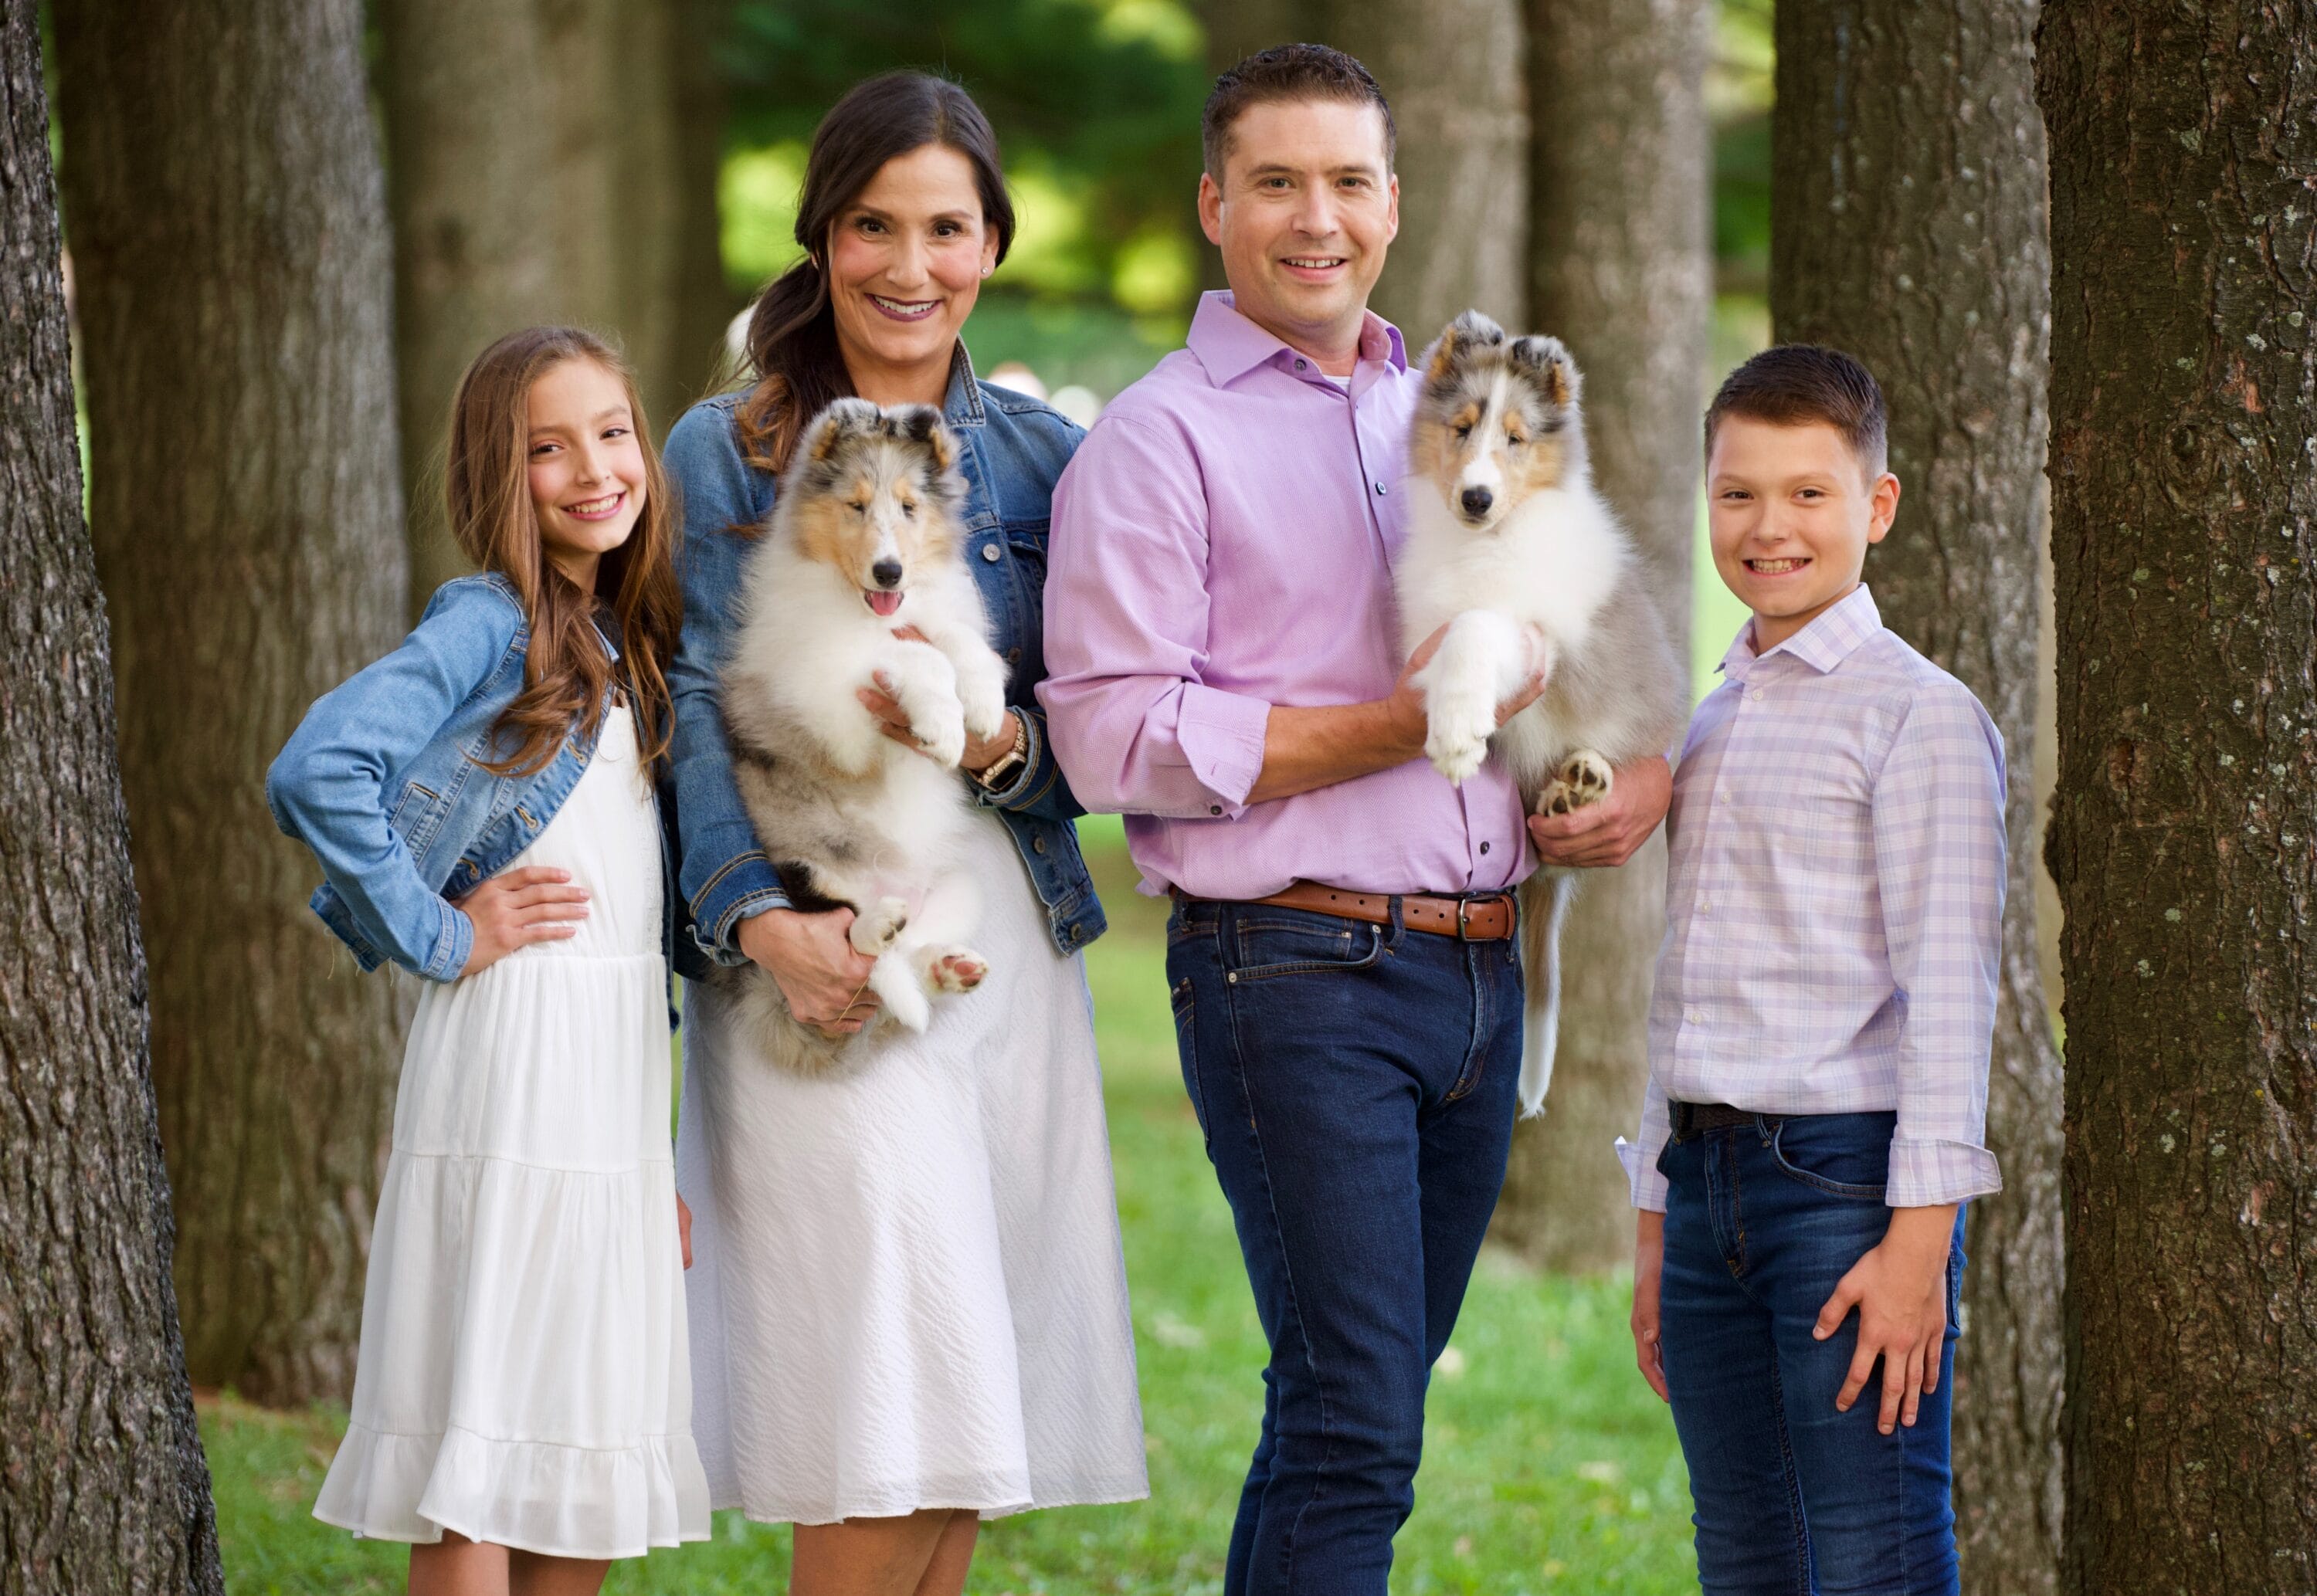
[
  {"x": 1908, "y": 227},
  {"x": 551, "y": 160},
  {"x": 1621, "y": 270},
  {"x": 103, "y": 1487},
  {"x": 229, "y": 235},
  {"x": 1452, "y": 72},
  {"x": 2184, "y": 537}
]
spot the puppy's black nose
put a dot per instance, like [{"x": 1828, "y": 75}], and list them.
[
  {"x": 1477, "y": 500},
  {"x": 887, "y": 573}
]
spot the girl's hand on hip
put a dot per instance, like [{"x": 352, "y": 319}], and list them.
[
  {"x": 684, "y": 1230},
  {"x": 516, "y": 908},
  {"x": 822, "y": 977}
]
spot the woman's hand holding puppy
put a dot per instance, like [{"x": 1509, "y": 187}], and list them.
[
  {"x": 980, "y": 752},
  {"x": 823, "y": 978},
  {"x": 516, "y": 908}
]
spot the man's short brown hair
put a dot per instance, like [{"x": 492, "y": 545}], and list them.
[
  {"x": 1795, "y": 385},
  {"x": 1289, "y": 72}
]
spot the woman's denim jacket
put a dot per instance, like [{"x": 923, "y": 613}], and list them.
[
  {"x": 380, "y": 780},
  {"x": 1013, "y": 449}
]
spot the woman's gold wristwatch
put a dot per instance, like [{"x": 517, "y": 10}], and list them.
[{"x": 992, "y": 775}]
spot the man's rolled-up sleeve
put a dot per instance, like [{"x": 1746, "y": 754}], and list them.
[{"x": 1136, "y": 724}]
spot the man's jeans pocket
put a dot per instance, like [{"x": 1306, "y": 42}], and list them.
[{"x": 1262, "y": 942}]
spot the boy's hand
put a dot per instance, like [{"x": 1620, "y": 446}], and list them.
[
  {"x": 1900, "y": 1289},
  {"x": 1607, "y": 835},
  {"x": 516, "y": 908},
  {"x": 1649, "y": 1269}
]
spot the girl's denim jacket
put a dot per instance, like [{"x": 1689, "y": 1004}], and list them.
[
  {"x": 1014, "y": 448},
  {"x": 380, "y": 780}
]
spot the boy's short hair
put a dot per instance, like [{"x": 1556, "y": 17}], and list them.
[
  {"x": 1796, "y": 384},
  {"x": 1289, "y": 72}
]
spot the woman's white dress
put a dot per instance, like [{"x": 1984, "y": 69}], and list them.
[
  {"x": 524, "y": 1375},
  {"x": 906, "y": 1289}
]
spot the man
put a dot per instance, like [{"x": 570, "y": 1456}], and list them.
[{"x": 1223, "y": 668}]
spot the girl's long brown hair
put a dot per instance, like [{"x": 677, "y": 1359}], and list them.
[
  {"x": 566, "y": 669},
  {"x": 793, "y": 331}
]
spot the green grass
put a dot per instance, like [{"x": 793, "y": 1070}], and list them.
[{"x": 1550, "y": 1470}]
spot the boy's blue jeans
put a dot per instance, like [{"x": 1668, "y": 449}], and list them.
[
  {"x": 1355, "y": 1084},
  {"x": 1762, "y": 1221}
]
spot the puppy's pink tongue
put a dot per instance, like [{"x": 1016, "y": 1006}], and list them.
[{"x": 881, "y": 602}]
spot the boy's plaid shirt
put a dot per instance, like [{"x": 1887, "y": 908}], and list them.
[{"x": 1834, "y": 903}]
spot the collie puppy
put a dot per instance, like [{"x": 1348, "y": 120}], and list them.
[
  {"x": 1515, "y": 552},
  {"x": 861, "y": 574}
]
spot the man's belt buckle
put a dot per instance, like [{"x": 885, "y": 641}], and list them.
[{"x": 1464, "y": 919}]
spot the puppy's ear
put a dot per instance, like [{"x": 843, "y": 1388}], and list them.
[
  {"x": 922, "y": 425},
  {"x": 827, "y": 432},
  {"x": 1556, "y": 375},
  {"x": 1473, "y": 327}
]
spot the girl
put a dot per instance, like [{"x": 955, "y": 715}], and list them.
[
  {"x": 910, "y": 1311},
  {"x": 481, "y": 801}
]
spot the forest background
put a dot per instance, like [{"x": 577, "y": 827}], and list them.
[{"x": 285, "y": 226}]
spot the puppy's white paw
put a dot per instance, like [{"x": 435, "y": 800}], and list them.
[
  {"x": 940, "y": 736},
  {"x": 954, "y": 969},
  {"x": 875, "y": 927},
  {"x": 1457, "y": 733},
  {"x": 1583, "y": 781},
  {"x": 983, "y": 694}
]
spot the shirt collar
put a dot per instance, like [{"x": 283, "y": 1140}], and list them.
[
  {"x": 1229, "y": 346},
  {"x": 961, "y": 404},
  {"x": 1823, "y": 645}
]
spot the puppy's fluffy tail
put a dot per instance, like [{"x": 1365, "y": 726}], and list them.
[{"x": 1544, "y": 900}]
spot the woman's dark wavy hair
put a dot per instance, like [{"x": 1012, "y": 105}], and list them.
[{"x": 793, "y": 331}]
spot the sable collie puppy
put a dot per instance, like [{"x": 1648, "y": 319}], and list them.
[
  {"x": 863, "y": 542},
  {"x": 1512, "y": 548}
]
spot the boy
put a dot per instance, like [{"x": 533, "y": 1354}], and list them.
[{"x": 1818, "y": 1035}]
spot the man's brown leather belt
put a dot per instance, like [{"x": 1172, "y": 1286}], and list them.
[{"x": 1487, "y": 919}]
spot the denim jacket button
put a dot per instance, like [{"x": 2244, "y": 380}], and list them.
[
  {"x": 1037, "y": 844},
  {"x": 989, "y": 552}
]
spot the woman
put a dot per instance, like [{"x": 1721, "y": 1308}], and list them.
[{"x": 909, "y": 1305}]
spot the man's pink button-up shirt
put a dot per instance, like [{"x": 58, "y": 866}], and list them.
[{"x": 1222, "y": 542}]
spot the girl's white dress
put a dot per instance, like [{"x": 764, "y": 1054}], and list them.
[
  {"x": 523, "y": 1377},
  {"x": 906, "y": 1289}
]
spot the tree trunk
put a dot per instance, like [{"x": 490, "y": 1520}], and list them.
[
  {"x": 229, "y": 236},
  {"x": 1621, "y": 270},
  {"x": 551, "y": 161},
  {"x": 104, "y": 1487},
  {"x": 1908, "y": 227},
  {"x": 2184, "y": 409},
  {"x": 479, "y": 237},
  {"x": 1452, "y": 71}
]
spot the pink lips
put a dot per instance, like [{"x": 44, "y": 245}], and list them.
[{"x": 880, "y": 601}]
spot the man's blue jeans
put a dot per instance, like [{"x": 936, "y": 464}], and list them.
[
  {"x": 1355, "y": 1084},
  {"x": 1794, "y": 1499}
]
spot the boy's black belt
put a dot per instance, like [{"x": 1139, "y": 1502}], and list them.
[{"x": 1695, "y": 1119}]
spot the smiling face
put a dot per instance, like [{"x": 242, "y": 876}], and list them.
[
  {"x": 906, "y": 260},
  {"x": 585, "y": 465},
  {"x": 1792, "y": 510},
  {"x": 1305, "y": 210}
]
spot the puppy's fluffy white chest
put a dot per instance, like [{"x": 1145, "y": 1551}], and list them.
[{"x": 1548, "y": 566}]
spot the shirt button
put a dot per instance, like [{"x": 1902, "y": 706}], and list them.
[
  {"x": 1484, "y": 847},
  {"x": 1755, "y": 693},
  {"x": 1380, "y": 487},
  {"x": 1214, "y": 808},
  {"x": 1694, "y": 1016},
  {"x": 989, "y": 553},
  {"x": 1303, "y": 365},
  {"x": 1704, "y": 904}
]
